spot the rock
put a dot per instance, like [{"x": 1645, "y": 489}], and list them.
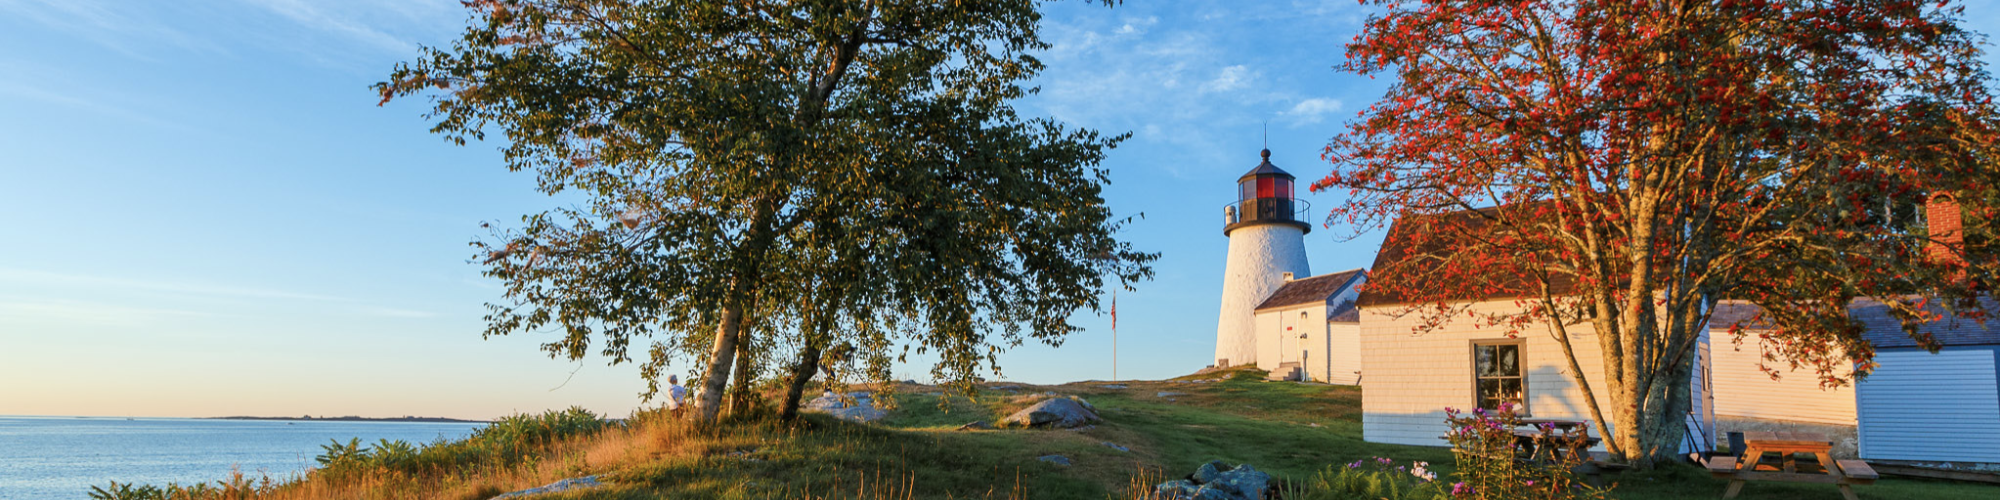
[
  {"x": 1217, "y": 481},
  {"x": 558, "y": 486},
  {"x": 1111, "y": 386},
  {"x": 1169, "y": 394},
  {"x": 1115, "y": 446},
  {"x": 1063, "y": 413},
  {"x": 976, "y": 425},
  {"x": 1081, "y": 429},
  {"x": 1006, "y": 387},
  {"x": 910, "y": 381},
  {"x": 1209, "y": 472},
  {"x": 1055, "y": 459},
  {"x": 1213, "y": 492},
  {"x": 863, "y": 410},
  {"x": 1178, "y": 489},
  {"x": 1245, "y": 481}
]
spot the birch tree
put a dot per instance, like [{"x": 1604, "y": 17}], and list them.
[{"x": 723, "y": 149}]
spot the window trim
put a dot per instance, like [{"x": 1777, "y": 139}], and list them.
[{"x": 1521, "y": 364}]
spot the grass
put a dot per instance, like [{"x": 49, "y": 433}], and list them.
[{"x": 1290, "y": 430}]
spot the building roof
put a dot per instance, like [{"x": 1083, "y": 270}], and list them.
[
  {"x": 1345, "y": 313},
  {"x": 1882, "y": 327},
  {"x": 1416, "y": 243},
  {"x": 1309, "y": 290},
  {"x": 1266, "y": 168}
]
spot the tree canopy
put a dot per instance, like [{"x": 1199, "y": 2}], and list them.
[
  {"x": 1635, "y": 162},
  {"x": 773, "y": 174}
]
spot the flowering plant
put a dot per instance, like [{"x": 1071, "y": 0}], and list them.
[
  {"x": 1372, "y": 479},
  {"x": 1495, "y": 463}
]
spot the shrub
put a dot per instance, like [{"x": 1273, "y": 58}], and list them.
[
  {"x": 505, "y": 442},
  {"x": 1492, "y": 464},
  {"x": 1376, "y": 479}
]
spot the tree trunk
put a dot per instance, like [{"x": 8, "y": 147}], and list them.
[
  {"x": 801, "y": 374},
  {"x": 740, "y": 395},
  {"x": 720, "y": 357}
]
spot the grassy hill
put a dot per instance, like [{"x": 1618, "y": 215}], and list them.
[{"x": 1291, "y": 430}]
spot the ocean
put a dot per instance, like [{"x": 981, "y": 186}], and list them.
[{"x": 59, "y": 458}]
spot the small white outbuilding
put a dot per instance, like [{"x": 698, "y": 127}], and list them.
[
  {"x": 1917, "y": 409},
  {"x": 1297, "y": 333}
]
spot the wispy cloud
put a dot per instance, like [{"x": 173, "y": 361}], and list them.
[
  {"x": 311, "y": 16},
  {"x": 44, "y": 278},
  {"x": 101, "y": 105},
  {"x": 1230, "y": 78},
  {"x": 118, "y": 27},
  {"x": 78, "y": 313},
  {"x": 1137, "y": 25},
  {"x": 1312, "y": 111},
  {"x": 390, "y": 312}
]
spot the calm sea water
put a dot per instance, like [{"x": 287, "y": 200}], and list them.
[{"x": 62, "y": 457}]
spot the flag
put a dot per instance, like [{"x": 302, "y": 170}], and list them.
[{"x": 1114, "y": 309}]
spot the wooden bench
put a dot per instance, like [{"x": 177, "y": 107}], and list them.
[
  {"x": 1722, "y": 467},
  {"x": 1782, "y": 463},
  {"x": 1858, "y": 472}
]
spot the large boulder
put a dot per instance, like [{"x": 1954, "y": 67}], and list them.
[
  {"x": 1061, "y": 413},
  {"x": 1217, "y": 481},
  {"x": 861, "y": 410}
]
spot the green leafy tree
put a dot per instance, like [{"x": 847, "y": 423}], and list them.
[{"x": 806, "y": 153}]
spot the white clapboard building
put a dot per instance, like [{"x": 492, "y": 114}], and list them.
[{"x": 1415, "y": 371}]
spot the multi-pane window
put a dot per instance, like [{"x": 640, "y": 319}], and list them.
[{"x": 1496, "y": 374}]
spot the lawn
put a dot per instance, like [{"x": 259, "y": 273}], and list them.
[{"x": 1291, "y": 430}]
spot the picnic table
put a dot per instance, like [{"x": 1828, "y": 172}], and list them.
[
  {"x": 1559, "y": 432},
  {"x": 1786, "y": 467}
]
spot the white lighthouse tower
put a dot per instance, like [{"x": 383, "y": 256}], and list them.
[{"x": 1267, "y": 247}]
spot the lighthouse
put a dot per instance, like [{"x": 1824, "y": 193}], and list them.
[{"x": 1267, "y": 247}]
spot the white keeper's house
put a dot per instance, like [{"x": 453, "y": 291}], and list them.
[
  {"x": 1414, "y": 372},
  {"x": 1275, "y": 314}
]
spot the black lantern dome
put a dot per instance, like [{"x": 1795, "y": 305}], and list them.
[{"x": 1264, "y": 196}]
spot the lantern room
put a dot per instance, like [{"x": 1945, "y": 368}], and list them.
[{"x": 1264, "y": 196}]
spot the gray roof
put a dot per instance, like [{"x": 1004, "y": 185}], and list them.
[
  {"x": 1309, "y": 290},
  {"x": 1882, "y": 327},
  {"x": 1345, "y": 313}
]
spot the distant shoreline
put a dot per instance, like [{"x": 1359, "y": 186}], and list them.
[{"x": 359, "y": 419}]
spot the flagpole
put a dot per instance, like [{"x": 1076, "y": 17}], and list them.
[{"x": 1114, "y": 335}]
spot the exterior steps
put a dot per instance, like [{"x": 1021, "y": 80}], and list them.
[{"x": 1286, "y": 372}]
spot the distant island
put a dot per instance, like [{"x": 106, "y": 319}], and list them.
[{"x": 351, "y": 418}]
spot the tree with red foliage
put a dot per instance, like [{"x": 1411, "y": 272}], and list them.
[{"x": 1646, "y": 159}]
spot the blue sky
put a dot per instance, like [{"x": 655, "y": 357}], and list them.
[{"x": 203, "y": 212}]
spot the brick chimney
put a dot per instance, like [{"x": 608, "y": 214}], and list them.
[{"x": 1946, "y": 224}]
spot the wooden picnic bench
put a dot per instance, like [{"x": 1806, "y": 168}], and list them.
[
  {"x": 1785, "y": 466},
  {"x": 1546, "y": 438}
]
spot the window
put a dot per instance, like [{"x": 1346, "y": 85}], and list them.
[
  {"x": 1264, "y": 187},
  {"x": 1284, "y": 187},
  {"x": 1247, "y": 190},
  {"x": 1496, "y": 375}
]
